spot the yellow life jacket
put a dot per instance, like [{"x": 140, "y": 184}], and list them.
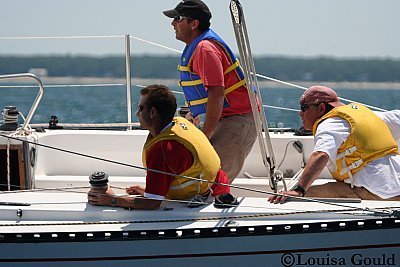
[
  {"x": 369, "y": 139},
  {"x": 206, "y": 162}
]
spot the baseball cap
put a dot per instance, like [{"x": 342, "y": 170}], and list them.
[
  {"x": 319, "y": 94},
  {"x": 194, "y": 9}
]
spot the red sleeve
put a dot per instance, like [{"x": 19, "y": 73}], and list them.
[
  {"x": 210, "y": 62},
  {"x": 207, "y": 62},
  {"x": 168, "y": 156}
]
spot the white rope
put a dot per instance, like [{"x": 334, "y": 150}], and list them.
[
  {"x": 305, "y": 88},
  {"x": 59, "y": 37},
  {"x": 280, "y": 81},
  {"x": 177, "y": 92},
  {"x": 64, "y": 85},
  {"x": 74, "y": 85},
  {"x": 10, "y": 118},
  {"x": 282, "y": 108},
  {"x": 136, "y": 124},
  {"x": 155, "y": 44}
]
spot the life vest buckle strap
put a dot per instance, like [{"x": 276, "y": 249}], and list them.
[
  {"x": 227, "y": 91},
  {"x": 197, "y": 102},
  {"x": 190, "y": 83},
  {"x": 346, "y": 152},
  {"x": 234, "y": 87},
  {"x": 356, "y": 164},
  {"x": 183, "y": 68},
  {"x": 352, "y": 166},
  {"x": 183, "y": 185},
  {"x": 232, "y": 67}
]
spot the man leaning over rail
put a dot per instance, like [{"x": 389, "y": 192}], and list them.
[
  {"x": 213, "y": 83},
  {"x": 357, "y": 145},
  {"x": 175, "y": 147}
]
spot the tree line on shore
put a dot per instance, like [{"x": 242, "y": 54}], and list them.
[{"x": 163, "y": 67}]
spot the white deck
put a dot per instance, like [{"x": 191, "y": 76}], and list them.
[
  {"x": 71, "y": 211},
  {"x": 59, "y": 169}
]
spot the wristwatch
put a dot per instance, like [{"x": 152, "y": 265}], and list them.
[
  {"x": 300, "y": 189},
  {"x": 114, "y": 202}
]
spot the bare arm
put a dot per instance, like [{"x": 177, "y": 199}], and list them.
[
  {"x": 110, "y": 199},
  {"x": 138, "y": 203},
  {"x": 314, "y": 167},
  {"x": 215, "y": 105}
]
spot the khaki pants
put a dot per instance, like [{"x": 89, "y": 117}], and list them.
[
  {"x": 343, "y": 190},
  {"x": 233, "y": 139}
]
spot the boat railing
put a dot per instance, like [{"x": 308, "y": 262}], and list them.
[
  {"x": 127, "y": 47},
  {"x": 38, "y": 97},
  {"x": 127, "y": 38},
  {"x": 128, "y": 78}
]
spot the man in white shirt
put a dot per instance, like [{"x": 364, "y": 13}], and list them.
[{"x": 357, "y": 145}]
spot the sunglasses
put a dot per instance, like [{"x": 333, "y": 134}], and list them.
[
  {"x": 304, "y": 107},
  {"x": 180, "y": 18}
]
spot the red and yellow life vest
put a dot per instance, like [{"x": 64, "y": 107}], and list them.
[
  {"x": 206, "y": 162},
  {"x": 195, "y": 93}
]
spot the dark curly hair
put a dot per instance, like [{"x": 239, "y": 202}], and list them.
[{"x": 162, "y": 99}]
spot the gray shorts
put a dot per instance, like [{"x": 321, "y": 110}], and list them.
[{"x": 233, "y": 139}]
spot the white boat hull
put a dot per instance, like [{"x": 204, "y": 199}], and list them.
[{"x": 66, "y": 230}]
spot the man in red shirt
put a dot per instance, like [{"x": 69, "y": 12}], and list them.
[
  {"x": 175, "y": 148},
  {"x": 213, "y": 83}
]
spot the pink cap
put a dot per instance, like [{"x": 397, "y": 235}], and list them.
[{"x": 319, "y": 94}]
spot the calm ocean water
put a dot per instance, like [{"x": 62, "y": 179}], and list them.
[{"x": 108, "y": 104}]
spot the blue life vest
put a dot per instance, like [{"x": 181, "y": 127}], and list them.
[{"x": 191, "y": 83}]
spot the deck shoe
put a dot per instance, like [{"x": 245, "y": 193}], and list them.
[{"x": 225, "y": 201}]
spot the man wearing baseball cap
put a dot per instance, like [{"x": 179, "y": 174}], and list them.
[
  {"x": 213, "y": 83},
  {"x": 357, "y": 145}
]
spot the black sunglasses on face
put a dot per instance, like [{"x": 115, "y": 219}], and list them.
[
  {"x": 180, "y": 18},
  {"x": 304, "y": 107}
]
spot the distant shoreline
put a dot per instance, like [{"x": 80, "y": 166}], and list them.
[{"x": 173, "y": 82}]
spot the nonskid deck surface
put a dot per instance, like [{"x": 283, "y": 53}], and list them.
[{"x": 69, "y": 212}]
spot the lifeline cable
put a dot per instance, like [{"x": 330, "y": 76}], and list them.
[
  {"x": 187, "y": 177},
  {"x": 71, "y": 190},
  {"x": 158, "y": 45}
]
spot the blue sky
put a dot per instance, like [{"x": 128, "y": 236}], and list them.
[{"x": 306, "y": 28}]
